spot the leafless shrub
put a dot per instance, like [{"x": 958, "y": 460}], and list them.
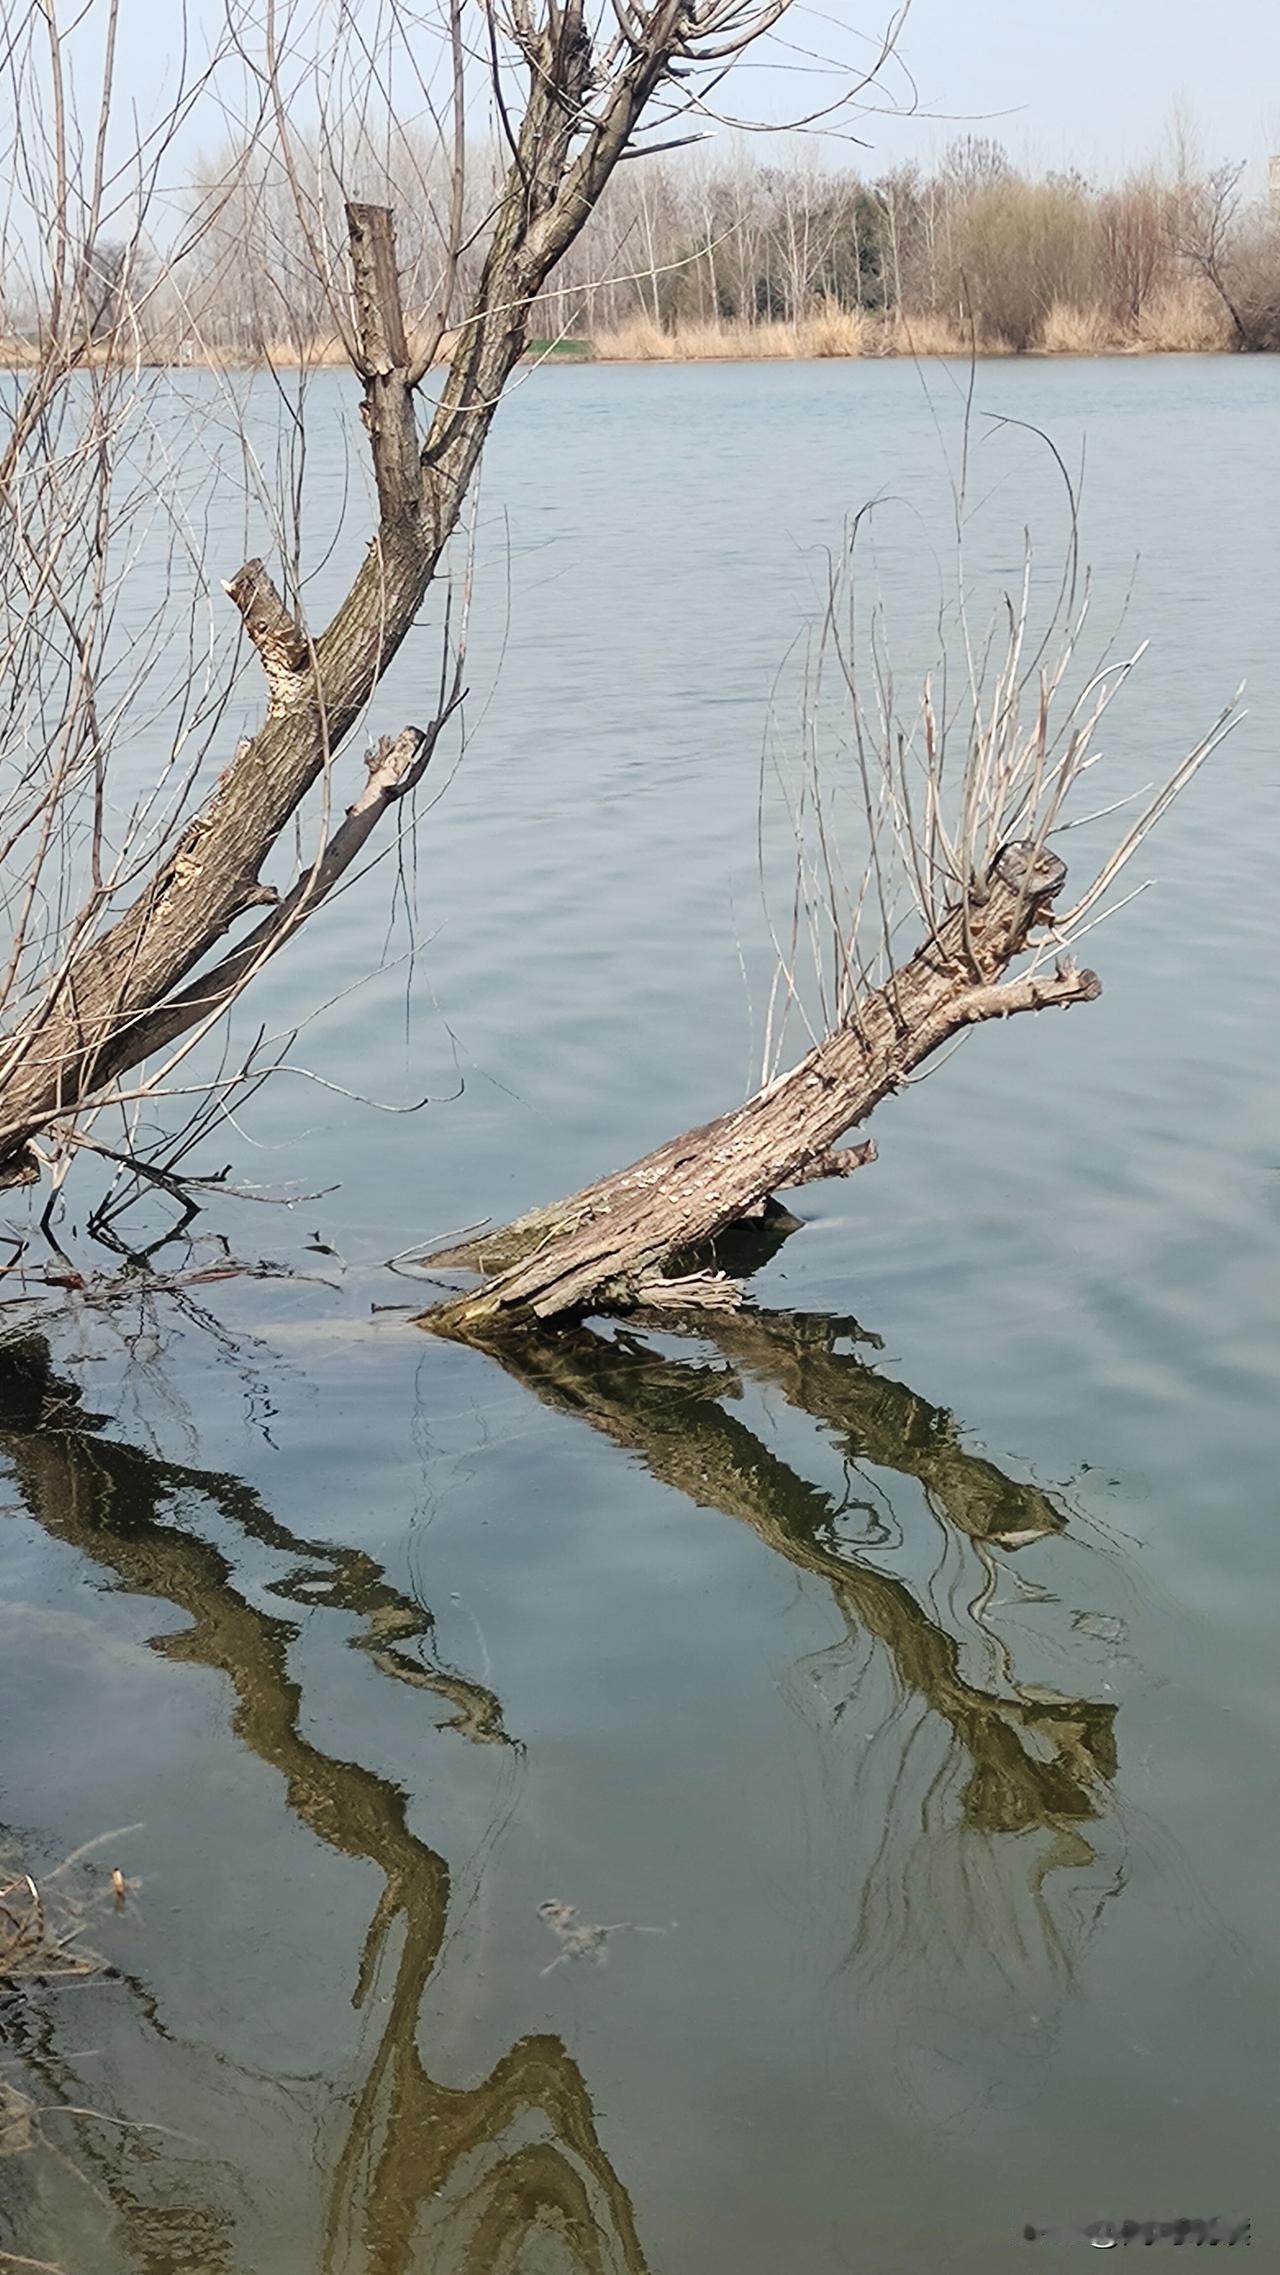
[
  {"x": 1136, "y": 248},
  {"x": 1235, "y": 249},
  {"x": 901, "y": 804},
  {"x": 1253, "y": 277},
  {"x": 1017, "y": 248}
]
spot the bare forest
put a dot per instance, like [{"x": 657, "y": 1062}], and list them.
[{"x": 729, "y": 247}]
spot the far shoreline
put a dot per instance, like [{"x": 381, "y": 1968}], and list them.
[
  {"x": 837, "y": 338},
  {"x": 539, "y": 358}
]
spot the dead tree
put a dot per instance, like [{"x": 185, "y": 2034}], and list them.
[
  {"x": 134, "y": 962},
  {"x": 609, "y": 1247},
  {"x": 969, "y": 861}
]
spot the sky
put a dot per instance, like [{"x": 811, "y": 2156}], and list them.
[{"x": 1093, "y": 84}]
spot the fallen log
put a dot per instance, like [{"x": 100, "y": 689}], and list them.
[{"x": 616, "y": 1245}]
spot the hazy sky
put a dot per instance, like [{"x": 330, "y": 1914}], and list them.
[
  {"x": 1089, "y": 83},
  {"x": 1093, "y": 83}
]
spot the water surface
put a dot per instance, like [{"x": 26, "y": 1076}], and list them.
[{"x": 899, "y": 1660}]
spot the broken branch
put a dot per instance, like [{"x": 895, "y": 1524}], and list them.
[
  {"x": 840, "y": 1163},
  {"x": 278, "y": 638}
]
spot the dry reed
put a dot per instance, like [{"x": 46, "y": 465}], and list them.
[
  {"x": 40, "y": 1931},
  {"x": 639, "y": 340},
  {"x": 1183, "y": 320},
  {"x": 38, "y": 1945},
  {"x": 1180, "y": 321},
  {"x": 831, "y": 331},
  {"x": 1068, "y": 330}
]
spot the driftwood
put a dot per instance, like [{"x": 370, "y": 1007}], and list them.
[{"x": 613, "y": 1245}]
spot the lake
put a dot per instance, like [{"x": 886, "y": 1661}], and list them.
[{"x": 893, "y": 1674}]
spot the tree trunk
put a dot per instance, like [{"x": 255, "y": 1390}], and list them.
[{"x": 612, "y": 1246}]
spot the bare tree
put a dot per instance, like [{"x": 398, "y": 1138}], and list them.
[
  {"x": 743, "y": 239},
  {"x": 114, "y": 924},
  {"x": 106, "y": 284},
  {"x": 1137, "y": 243},
  {"x": 1204, "y": 222},
  {"x": 955, "y": 806},
  {"x": 1234, "y": 251},
  {"x": 125, "y": 896}
]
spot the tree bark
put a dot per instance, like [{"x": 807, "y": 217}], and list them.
[{"x": 610, "y": 1246}]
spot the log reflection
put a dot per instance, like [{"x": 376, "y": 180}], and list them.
[
  {"x": 427, "y": 2174},
  {"x": 967, "y": 1825},
  {"x": 1033, "y": 1760}
]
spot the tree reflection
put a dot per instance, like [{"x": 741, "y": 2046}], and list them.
[
  {"x": 484, "y": 2167},
  {"x": 976, "y": 1797},
  {"x": 981, "y": 1812},
  {"x": 1033, "y": 1760}
]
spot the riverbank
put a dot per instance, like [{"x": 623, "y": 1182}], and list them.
[{"x": 1181, "y": 323}]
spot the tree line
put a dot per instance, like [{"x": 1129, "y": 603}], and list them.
[{"x": 762, "y": 250}]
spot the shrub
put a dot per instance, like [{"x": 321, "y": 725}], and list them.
[{"x": 1016, "y": 248}]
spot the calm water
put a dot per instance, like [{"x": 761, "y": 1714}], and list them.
[{"x": 902, "y": 1661}]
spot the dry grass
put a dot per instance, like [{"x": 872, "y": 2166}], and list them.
[
  {"x": 1183, "y": 321},
  {"x": 932, "y": 334},
  {"x": 39, "y": 1944},
  {"x": 831, "y": 331},
  {"x": 40, "y": 1931},
  {"x": 29, "y": 355},
  {"x": 16, "y": 2129},
  {"x": 720, "y": 343},
  {"x": 1068, "y": 330},
  {"x": 325, "y": 350},
  {"x": 836, "y": 331},
  {"x": 639, "y": 340}
]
